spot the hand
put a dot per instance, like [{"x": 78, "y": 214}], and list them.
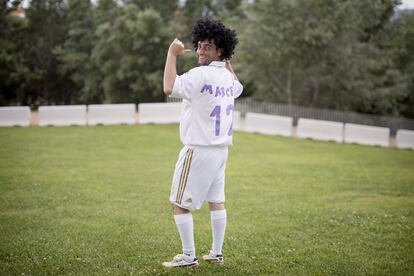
[{"x": 177, "y": 48}]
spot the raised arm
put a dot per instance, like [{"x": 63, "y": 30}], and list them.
[
  {"x": 228, "y": 67},
  {"x": 170, "y": 71}
]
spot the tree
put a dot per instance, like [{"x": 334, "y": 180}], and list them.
[
  {"x": 398, "y": 40},
  {"x": 320, "y": 53},
  {"x": 281, "y": 40},
  {"x": 45, "y": 31},
  {"x": 130, "y": 53},
  {"x": 166, "y": 9},
  {"x": 15, "y": 73},
  {"x": 75, "y": 53}
]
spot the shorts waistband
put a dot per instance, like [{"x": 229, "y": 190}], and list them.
[{"x": 206, "y": 147}]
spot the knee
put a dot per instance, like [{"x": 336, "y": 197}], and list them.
[
  {"x": 216, "y": 206},
  {"x": 177, "y": 210}
]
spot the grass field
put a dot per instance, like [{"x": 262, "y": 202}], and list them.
[{"x": 94, "y": 200}]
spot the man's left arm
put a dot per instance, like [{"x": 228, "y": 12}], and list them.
[
  {"x": 239, "y": 86},
  {"x": 230, "y": 68}
]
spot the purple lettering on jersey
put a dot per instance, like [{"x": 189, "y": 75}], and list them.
[
  {"x": 207, "y": 87},
  {"x": 221, "y": 91},
  {"x": 216, "y": 113},
  {"x": 229, "y": 112},
  {"x": 218, "y": 91}
]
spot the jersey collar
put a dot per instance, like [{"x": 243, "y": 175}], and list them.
[{"x": 217, "y": 64}]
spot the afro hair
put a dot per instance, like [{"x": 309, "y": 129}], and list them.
[{"x": 212, "y": 30}]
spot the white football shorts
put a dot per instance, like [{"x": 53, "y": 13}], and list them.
[{"x": 199, "y": 176}]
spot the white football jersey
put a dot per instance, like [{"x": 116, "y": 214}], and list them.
[{"x": 208, "y": 94}]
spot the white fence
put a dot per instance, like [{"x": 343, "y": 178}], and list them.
[
  {"x": 405, "y": 139},
  {"x": 367, "y": 135},
  {"x": 64, "y": 115},
  {"x": 268, "y": 124},
  {"x": 161, "y": 113},
  {"x": 236, "y": 120},
  {"x": 15, "y": 116},
  {"x": 111, "y": 114},
  {"x": 320, "y": 130},
  {"x": 245, "y": 105}
]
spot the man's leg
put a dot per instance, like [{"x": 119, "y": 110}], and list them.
[
  {"x": 184, "y": 221},
  {"x": 218, "y": 226}
]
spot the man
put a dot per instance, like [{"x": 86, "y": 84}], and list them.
[{"x": 208, "y": 94}]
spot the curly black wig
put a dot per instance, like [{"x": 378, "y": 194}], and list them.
[{"x": 223, "y": 37}]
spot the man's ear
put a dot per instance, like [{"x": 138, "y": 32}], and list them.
[{"x": 220, "y": 52}]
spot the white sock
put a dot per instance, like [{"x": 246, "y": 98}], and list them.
[
  {"x": 218, "y": 226},
  {"x": 185, "y": 227}
]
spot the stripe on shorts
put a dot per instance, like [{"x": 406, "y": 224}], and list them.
[{"x": 184, "y": 175}]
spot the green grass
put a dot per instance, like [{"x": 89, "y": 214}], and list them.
[{"x": 94, "y": 200}]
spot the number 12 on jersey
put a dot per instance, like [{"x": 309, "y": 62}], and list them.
[{"x": 217, "y": 114}]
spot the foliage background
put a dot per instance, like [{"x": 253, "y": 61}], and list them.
[{"x": 346, "y": 55}]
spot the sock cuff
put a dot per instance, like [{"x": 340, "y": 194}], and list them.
[
  {"x": 183, "y": 218},
  {"x": 219, "y": 214}
]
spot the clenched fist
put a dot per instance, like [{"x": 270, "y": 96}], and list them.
[{"x": 177, "y": 48}]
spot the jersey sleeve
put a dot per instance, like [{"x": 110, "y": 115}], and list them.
[
  {"x": 238, "y": 88},
  {"x": 187, "y": 85}
]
